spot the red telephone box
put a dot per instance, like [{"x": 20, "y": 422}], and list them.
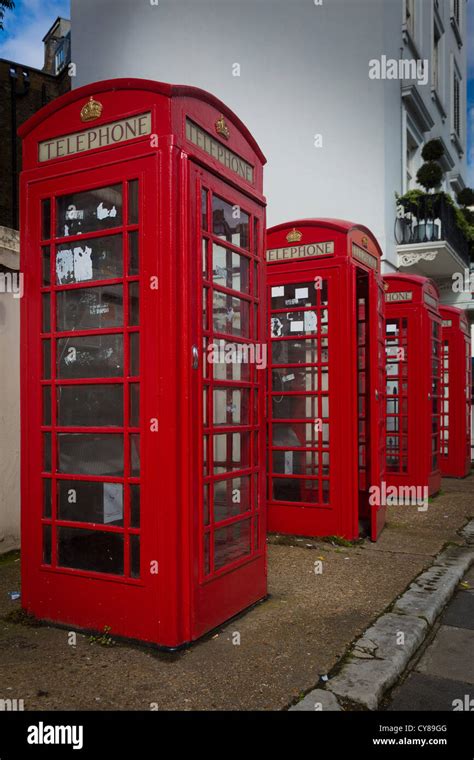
[
  {"x": 143, "y": 444},
  {"x": 413, "y": 347},
  {"x": 455, "y": 443},
  {"x": 326, "y": 379}
]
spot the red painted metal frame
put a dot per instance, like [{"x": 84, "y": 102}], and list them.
[
  {"x": 455, "y": 446},
  {"x": 177, "y": 603},
  {"x": 348, "y": 501},
  {"x": 419, "y": 400}
]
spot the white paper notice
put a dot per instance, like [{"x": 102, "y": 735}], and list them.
[
  {"x": 288, "y": 462},
  {"x": 280, "y": 291},
  {"x": 310, "y": 321},
  {"x": 296, "y": 326},
  {"x": 113, "y": 502},
  {"x": 301, "y": 293}
]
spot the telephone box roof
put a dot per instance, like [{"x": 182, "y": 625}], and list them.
[
  {"x": 161, "y": 88},
  {"x": 339, "y": 225}
]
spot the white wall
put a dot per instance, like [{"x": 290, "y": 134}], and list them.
[
  {"x": 9, "y": 402},
  {"x": 304, "y": 70}
]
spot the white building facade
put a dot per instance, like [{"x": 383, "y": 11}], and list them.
[{"x": 302, "y": 75}]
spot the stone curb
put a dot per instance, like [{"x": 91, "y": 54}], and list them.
[{"x": 381, "y": 654}]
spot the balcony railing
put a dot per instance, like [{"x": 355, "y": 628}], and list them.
[{"x": 432, "y": 221}]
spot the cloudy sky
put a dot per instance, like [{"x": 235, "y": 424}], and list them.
[{"x": 26, "y": 26}]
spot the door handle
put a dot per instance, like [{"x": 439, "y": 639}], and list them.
[{"x": 195, "y": 357}]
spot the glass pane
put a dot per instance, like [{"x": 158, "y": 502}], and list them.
[
  {"x": 46, "y": 405},
  {"x": 89, "y": 211},
  {"x": 90, "y": 308},
  {"x": 134, "y": 354},
  {"x": 46, "y": 266},
  {"x": 47, "y": 544},
  {"x": 230, "y": 269},
  {"x": 230, "y": 361},
  {"x": 207, "y": 554},
  {"x": 231, "y": 452},
  {"x": 93, "y": 550},
  {"x": 205, "y": 502},
  {"x": 134, "y": 455},
  {"x": 299, "y": 462},
  {"x": 231, "y": 543},
  {"x": 295, "y": 489},
  {"x": 47, "y": 452},
  {"x": 293, "y": 322},
  {"x": 134, "y": 405},
  {"x": 46, "y": 313},
  {"x": 133, "y": 201},
  {"x": 231, "y": 497},
  {"x": 231, "y": 406},
  {"x": 95, "y": 259},
  {"x": 204, "y": 195},
  {"x": 46, "y": 497},
  {"x": 294, "y": 351},
  {"x": 135, "y": 505},
  {"x": 134, "y": 311},
  {"x": 46, "y": 360},
  {"x": 204, "y": 259},
  {"x": 300, "y": 434},
  {"x": 294, "y": 379},
  {"x": 230, "y": 222},
  {"x": 231, "y": 315},
  {"x": 295, "y": 407},
  {"x": 90, "y": 405},
  {"x": 90, "y": 453},
  {"x": 45, "y": 219},
  {"x": 93, "y": 502},
  {"x": 90, "y": 356},
  {"x": 134, "y": 556},
  {"x": 133, "y": 253},
  {"x": 293, "y": 294}
]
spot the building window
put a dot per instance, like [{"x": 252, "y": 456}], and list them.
[
  {"x": 457, "y": 12},
  {"x": 456, "y": 104},
  {"x": 435, "y": 63},
  {"x": 456, "y": 20},
  {"x": 410, "y": 17},
  {"x": 411, "y": 161},
  {"x": 59, "y": 59}
]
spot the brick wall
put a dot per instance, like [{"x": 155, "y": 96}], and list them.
[{"x": 42, "y": 88}]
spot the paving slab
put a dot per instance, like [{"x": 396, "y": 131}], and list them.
[
  {"x": 287, "y": 642},
  {"x": 450, "y": 655},
  {"x": 460, "y": 611},
  {"x": 421, "y": 692}
]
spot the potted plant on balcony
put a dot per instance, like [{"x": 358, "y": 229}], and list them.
[{"x": 430, "y": 175}]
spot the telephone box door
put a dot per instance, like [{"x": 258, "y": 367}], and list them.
[
  {"x": 378, "y": 402},
  {"x": 227, "y": 389},
  {"x": 92, "y": 524},
  {"x": 308, "y": 405}
]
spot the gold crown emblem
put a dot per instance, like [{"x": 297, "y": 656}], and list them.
[
  {"x": 294, "y": 236},
  {"x": 92, "y": 110},
  {"x": 365, "y": 242},
  {"x": 222, "y": 128}
]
